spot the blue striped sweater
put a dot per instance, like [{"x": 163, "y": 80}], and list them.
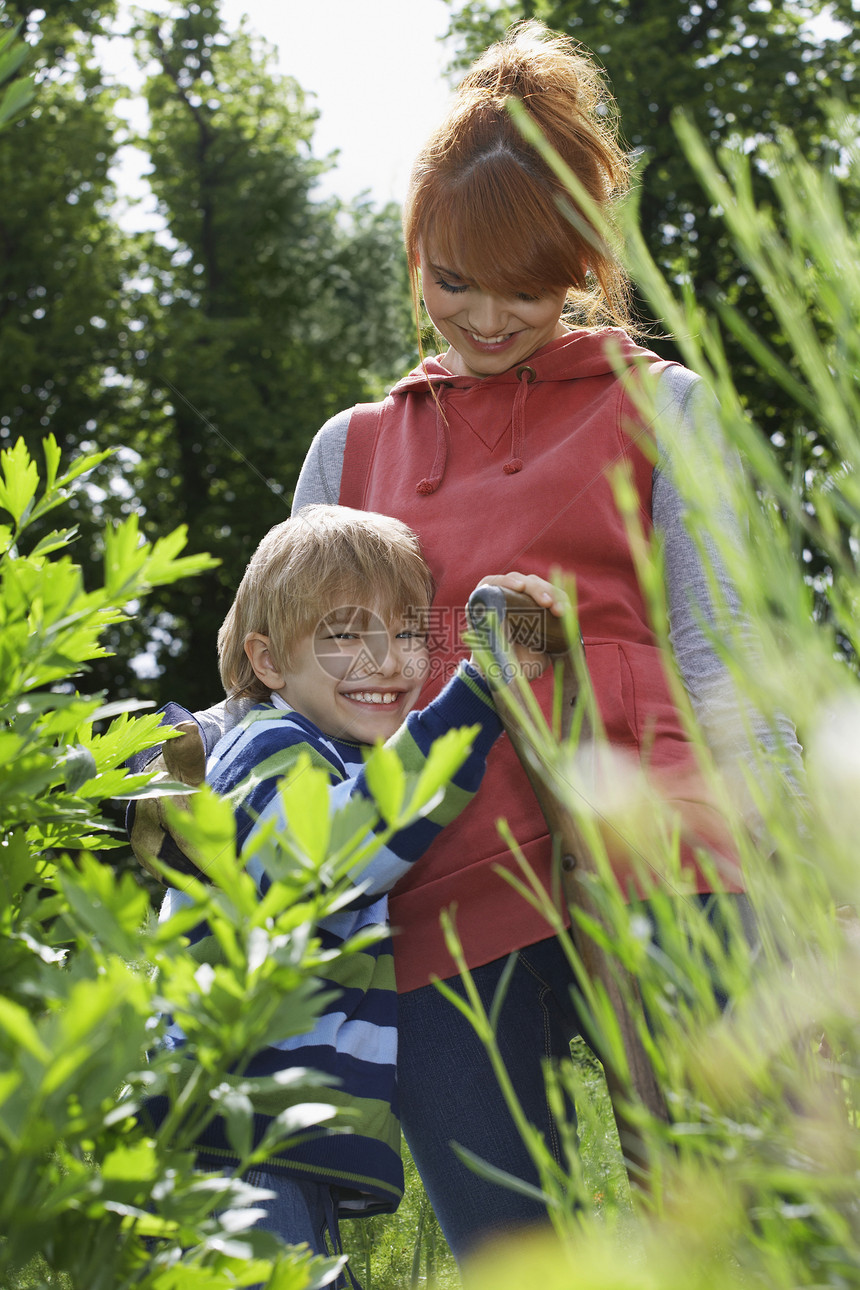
[{"x": 355, "y": 1038}]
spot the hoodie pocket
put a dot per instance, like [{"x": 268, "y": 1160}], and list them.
[{"x": 614, "y": 689}]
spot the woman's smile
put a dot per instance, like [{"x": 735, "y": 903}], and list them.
[
  {"x": 491, "y": 342},
  {"x": 488, "y": 333}
]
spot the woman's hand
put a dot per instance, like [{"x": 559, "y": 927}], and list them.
[
  {"x": 527, "y": 632},
  {"x": 546, "y": 595}
]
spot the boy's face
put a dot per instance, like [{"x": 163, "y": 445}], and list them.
[{"x": 358, "y": 674}]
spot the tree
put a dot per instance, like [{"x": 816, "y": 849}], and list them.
[
  {"x": 61, "y": 264},
  {"x": 260, "y": 313},
  {"x": 209, "y": 353}
]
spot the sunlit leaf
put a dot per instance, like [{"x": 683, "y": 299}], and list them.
[
  {"x": 386, "y": 781},
  {"x": 19, "y": 479},
  {"x": 304, "y": 795}
]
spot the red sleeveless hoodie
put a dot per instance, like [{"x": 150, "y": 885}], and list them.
[{"x": 515, "y": 472}]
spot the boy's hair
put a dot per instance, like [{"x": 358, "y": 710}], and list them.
[{"x": 324, "y": 558}]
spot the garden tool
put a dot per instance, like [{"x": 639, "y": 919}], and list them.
[{"x": 497, "y": 614}]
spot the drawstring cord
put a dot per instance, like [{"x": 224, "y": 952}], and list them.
[
  {"x": 437, "y": 470},
  {"x": 514, "y": 464},
  {"x": 525, "y": 376}
]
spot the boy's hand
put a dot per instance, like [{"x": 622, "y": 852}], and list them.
[{"x": 528, "y": 635}]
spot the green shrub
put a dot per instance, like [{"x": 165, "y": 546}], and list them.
[{"x": 91, "y": 1199}]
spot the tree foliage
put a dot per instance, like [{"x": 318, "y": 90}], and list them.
[
  {"x": 209, "y": 352},
  {"x": 268, "y": 311},
  {"x": 61, "y": 263}
]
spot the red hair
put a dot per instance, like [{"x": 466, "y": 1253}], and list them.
[{"x": 486, "y": 203}]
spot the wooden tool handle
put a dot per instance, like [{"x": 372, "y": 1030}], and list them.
[
  {"x": 630, "y": 1075},
  {"x": 528, "y": 624}
]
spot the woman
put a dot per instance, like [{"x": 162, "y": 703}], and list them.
[{"x": 499, "y": 453}]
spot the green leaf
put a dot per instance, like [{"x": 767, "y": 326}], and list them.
[
  {"x": 297, "y": 1011},
  {"x": 15, "y": 1022},
  {"x": 304, "y": 1272},
  {"x": 304, "y": 794},
  {"x": 106, "y": 908},
  {"x": 351, "y": 823},
  {"x": 122, "y": 706},
  {"x": 501, "y": 1177},
  {"x": 12, "y": 52},
  {"x": 41, "y": 951},
  {"x": 20, "y": 479},
  {"x": 15, "y": 98},
  {"x": 207, "y": 833},
  {"x": 17, "y": 866},
  {"x": 81, "y": 466},
  {"x": 387, "y": 782},
  {"x": 132, "y": 1163},
  {"x": 78, "y": 767},
  {"x": 238, "y": 1113},
  {"x": 295, "y": 1120},
  {"x": 133, "y": 566},
  {"x": 294, "y": 1077},
  {"x": 447, "y": 755},
  {"x": 52, "y": 542},
  {"x": 126, "y": 792},
  {"x": 53, "y": 456}
]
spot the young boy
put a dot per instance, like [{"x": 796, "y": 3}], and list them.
[{"x": 328, "y": 636}]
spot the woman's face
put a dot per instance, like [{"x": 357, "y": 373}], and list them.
[{"x": 487, "y": 333}]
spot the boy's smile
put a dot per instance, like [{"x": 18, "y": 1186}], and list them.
[{"x": 357, "y": 676}]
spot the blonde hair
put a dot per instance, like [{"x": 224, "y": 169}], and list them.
[
  {"x": 486, "y": 202},
  {"x": 324, "y": 558}
]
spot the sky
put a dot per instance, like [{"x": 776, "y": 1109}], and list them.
[{"x": 375, "y": 67}]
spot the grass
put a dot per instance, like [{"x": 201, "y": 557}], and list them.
[{"x": 405, "y": 1249}]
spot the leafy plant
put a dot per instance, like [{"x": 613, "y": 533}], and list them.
[{"x": 91, "y": 1197}]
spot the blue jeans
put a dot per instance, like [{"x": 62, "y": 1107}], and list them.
[
  {"x": 300, "y": 1212},
  {"x": 448, "y": 1092}
]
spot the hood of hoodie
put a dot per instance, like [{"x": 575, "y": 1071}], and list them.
[{"x": 576, "y": 355}]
